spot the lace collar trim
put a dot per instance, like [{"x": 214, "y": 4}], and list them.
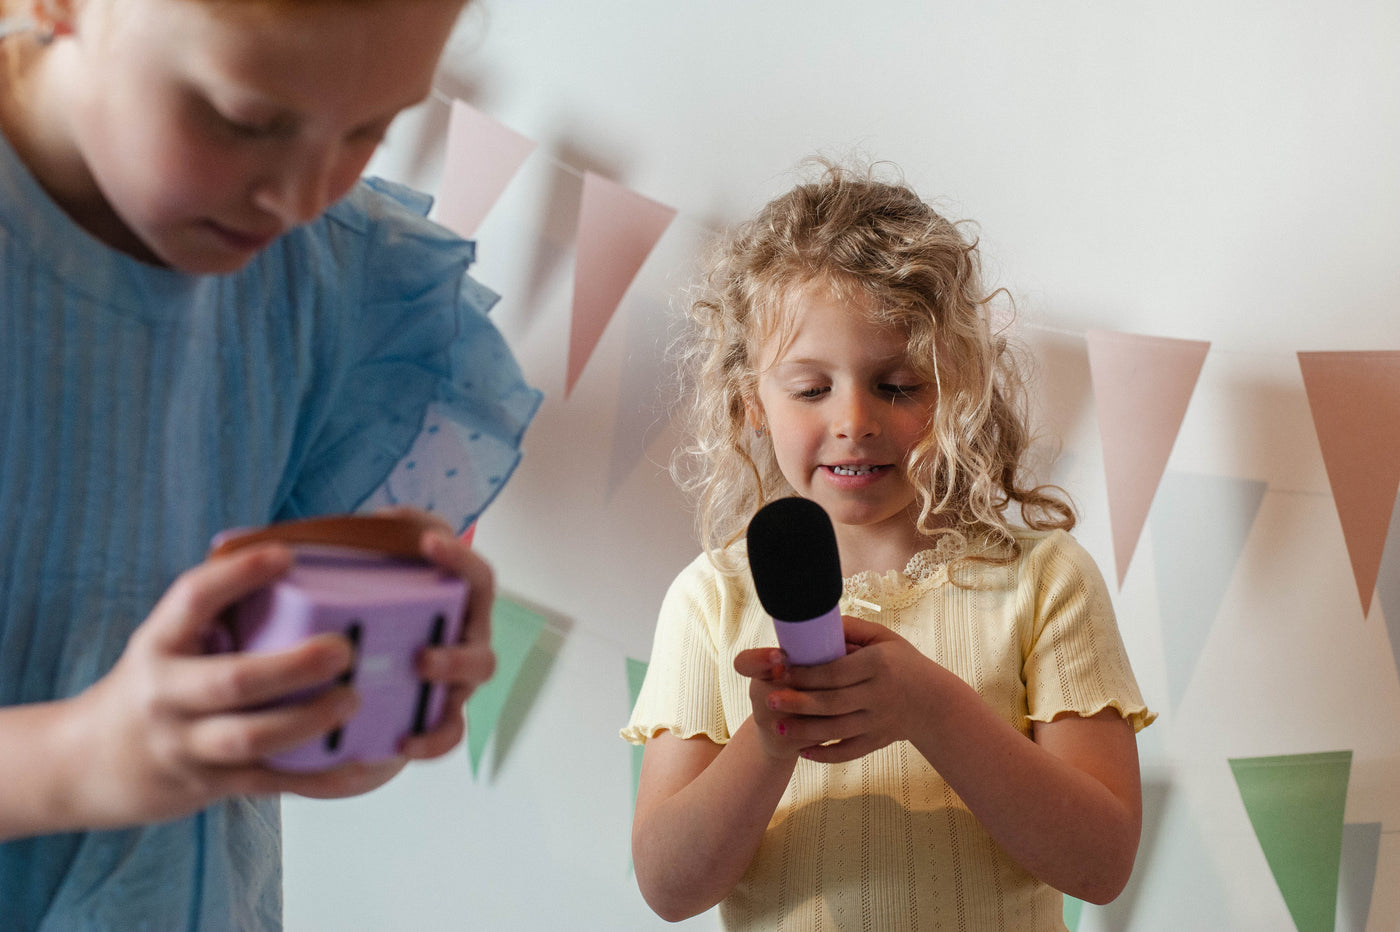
[{"x": 926, "y": 570}]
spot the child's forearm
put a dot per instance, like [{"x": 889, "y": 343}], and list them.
[
  {"x": 1067, "y": 809},
  {"x": 702, "y": 812},
  {"x": 36, "y": 770}
]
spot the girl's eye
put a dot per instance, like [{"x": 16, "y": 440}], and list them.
[
  {"x": 371, "y": 135},
  {"x": 256, "y": 128},
  {"x": 248, "y": 130},
  {"x": 810, "y": 393},
  {"x": 900, "y": 391},
  {"x": 253, "y": 129}
]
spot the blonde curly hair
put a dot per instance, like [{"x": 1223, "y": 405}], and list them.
[{"x": 858, "y": 236}]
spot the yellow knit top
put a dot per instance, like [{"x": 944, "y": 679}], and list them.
[{"x": 882, "y": 842}]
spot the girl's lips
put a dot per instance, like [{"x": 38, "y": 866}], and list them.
[
  {"x": 854, "y": 470},
  {"x": 247, "y": 242},
  {"x": 854, "y": 475}
]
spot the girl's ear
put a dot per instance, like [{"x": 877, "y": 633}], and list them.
[{"x": 753, "y": 414}]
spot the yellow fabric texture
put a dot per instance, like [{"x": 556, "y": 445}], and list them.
[{"x": 883, "y": 842}]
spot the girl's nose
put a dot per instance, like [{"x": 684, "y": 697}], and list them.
[
  {"x": 855, "y": 418},
  {"x": 301, "y": 189}
]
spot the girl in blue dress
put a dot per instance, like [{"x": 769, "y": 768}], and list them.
[{"x": 208, "y": 321}]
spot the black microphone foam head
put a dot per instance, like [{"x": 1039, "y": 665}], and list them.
[{"x": 793, "y": 557}]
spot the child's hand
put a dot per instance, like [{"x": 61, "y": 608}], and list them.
[
  {"x": 170, "y": 729},
  {"x": 845, "y": 709},
  {"x": 467, "y": 664},
  {"x": 767, "y": 669}
]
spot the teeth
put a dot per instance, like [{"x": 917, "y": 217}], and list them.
[{"x": 853, "y": 470}]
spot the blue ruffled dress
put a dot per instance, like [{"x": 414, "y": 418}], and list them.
[{"x": 142, "y": 410}]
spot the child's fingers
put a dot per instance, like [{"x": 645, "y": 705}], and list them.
[
  {"x": 249, "y": 737},
  {"x": 763, "y": 663},
  {"x": 858, "y": 666},
  {"x": 469, "y": 665},
  {"x": 464, "y": 667},
  {"x": 457, "y": 558},
  {"x": 860, "y": 632},
  {"x": 445, "y": 736},
  {"x": 182, "y": 617},
  {"x": 816, "y": 702},
  {"x": 254, "y": 779},
  {"x": 230, "y": 682},
  {"x": 416, "y": 515},
  {"x": 350, "y": 779},
  {"x": 842, "y": 751},
  {"x": 839, "y": 674},
  {"x": 260, "y": 779},
  {"x": 819, "y": 729}
]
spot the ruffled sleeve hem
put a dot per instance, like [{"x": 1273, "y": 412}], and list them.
[
  {"x": 433, "y": 412},
  {"x": 468, "y": 439},
  {"x": 1137, "y": 714},
  {"x": 641, "y": 734}
]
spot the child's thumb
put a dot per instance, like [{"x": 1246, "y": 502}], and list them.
[
  {"x": 184, "y": 615},
  {"x": 859, "y": 631}
]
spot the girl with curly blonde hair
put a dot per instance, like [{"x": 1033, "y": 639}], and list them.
[{"x": 973, "y": 754}]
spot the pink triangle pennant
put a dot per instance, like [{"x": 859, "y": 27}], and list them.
[
  {"x": 617, "y": 229},
  {"x": 1355, "y": 402},
  {"x": 1142, "y": 386},
  {"x": 482, "y": 157}
]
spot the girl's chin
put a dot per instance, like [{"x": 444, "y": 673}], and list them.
[
  {"x": 856, "y": 512},
  {"x": 209, "y": 254}
]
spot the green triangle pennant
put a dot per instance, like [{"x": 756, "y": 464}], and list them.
[
  {"x": 1361, "y": 845},
  {"x": 514, "y": 631},
  {"x": 636, "y": 673},
  {"x": 1296, "y": 804},
  {"x": 1074, "y": 909}
]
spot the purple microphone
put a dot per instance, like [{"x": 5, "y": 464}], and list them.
[{"x": 797, "y": 573}]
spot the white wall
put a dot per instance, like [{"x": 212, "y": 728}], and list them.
[{"x": 1212, "y": 171}]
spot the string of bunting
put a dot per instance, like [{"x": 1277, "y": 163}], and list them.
[{"x": 1142, "y": 386}]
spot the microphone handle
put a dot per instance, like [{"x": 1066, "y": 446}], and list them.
[{"x": 817, "y": 640}]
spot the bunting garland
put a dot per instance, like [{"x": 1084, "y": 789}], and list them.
[
  {"x": 1355, "y": 400},
  {"x": 1192, "y": 579},
  {"x": 514, "y": 631},
  {"x": 1142, "y": 384},
  {"x": 1361, "y": 844},
  {"x": 1295, "y": 803},
  {"x": 636, "y": 674},
  {"x": 617, "y": 229},
  {"x": 1388, "y": 586},
  {"x": 1142, "y": 388},
  {"x": 484, "y": 156}
]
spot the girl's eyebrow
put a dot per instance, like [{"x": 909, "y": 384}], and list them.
[
  {"x": 275, "y": 109},
  {"x": 893, "y": 360}
]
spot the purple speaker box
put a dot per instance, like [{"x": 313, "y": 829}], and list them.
[{"x": 389, "y": 609}]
